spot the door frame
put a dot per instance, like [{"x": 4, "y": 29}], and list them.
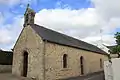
[{"x": 25, "y": 64}]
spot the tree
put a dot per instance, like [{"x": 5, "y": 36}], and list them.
[
  {"x": 117, "y": 36},
  {"x": 116, "y": 49}
]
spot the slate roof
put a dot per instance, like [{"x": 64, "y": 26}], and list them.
[
  {"x": 110, "y": 47},
  {"x": 55, "y": 37}
]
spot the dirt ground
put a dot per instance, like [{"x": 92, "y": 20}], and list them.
[{"x": 9, "y": 76}]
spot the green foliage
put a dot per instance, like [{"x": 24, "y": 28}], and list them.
[
  {"x": 117, "y": 36},
  {"x": 116, "y": 49}
]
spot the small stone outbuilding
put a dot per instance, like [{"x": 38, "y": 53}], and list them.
[{"x": 45, "y": 54}]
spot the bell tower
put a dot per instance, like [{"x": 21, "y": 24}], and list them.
[{"x": 29, "y": 16}]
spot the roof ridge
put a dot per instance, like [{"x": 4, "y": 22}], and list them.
[
  {"x": 57, "y": 37},
  {"x": 65, "y": 35}
]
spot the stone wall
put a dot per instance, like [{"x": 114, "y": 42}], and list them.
[
  {"x": 5, "y": 68},
  {"x": 54, "y": 61},
  {"x": 51, "y": 67},
  {"x": 28, "y": 41}
]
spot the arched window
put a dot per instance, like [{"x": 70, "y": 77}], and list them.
[
  {"x": 82, "y": 65},
  {"x": 101, "y": 65},
  {"x": 65, "y": 61}
]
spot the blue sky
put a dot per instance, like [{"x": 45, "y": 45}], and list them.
[
  {"x": 47, "y": 4},
  {"x": 71, "y": 17},
  {"x": 10, "y": 11}
]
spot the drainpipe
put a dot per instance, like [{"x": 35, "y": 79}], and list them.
[{"x": 44, "y": 48}]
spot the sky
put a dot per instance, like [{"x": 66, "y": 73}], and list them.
[{"x": 93, "y": 21}]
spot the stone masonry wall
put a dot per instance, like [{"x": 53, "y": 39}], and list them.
[
  {"x": 32, "y": 43},
  {"x": 5, "y": 68},
  {"x": 54, "y": 61}
]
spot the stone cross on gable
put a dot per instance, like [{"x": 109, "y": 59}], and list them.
[{"x": 29, "y": 16}]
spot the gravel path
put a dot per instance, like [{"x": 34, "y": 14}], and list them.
[
  {"x": 95, "y": 76},
  {"x": 9, "y": 76}
]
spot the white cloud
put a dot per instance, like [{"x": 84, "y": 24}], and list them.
[
  {"x": 72, "y": 22},
  {"x": 10, "y": 32},
  {"x": 68, "y": 18},
  {"x": 105, "y": 39},
  {"x": 109, "y": 11},
  {"x": 83, "y": 24},
  {"x": 4, "y": 35},
  {"x": 107, "y": 8}
]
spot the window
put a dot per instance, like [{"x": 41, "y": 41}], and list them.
[
  {"x": 82, "y": 65},
  {"x": 65, "y": 61},
  {"x": 101, "y": 65}
]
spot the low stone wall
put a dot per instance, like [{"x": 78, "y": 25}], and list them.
[
  {"x": 5, "y": 68},
  {"x": 92, "y": 76}
]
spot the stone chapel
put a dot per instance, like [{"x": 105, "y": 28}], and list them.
[{"x": 45, "y": 54}]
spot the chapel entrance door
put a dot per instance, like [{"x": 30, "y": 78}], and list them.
[{"x": 25, "y": 64}]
